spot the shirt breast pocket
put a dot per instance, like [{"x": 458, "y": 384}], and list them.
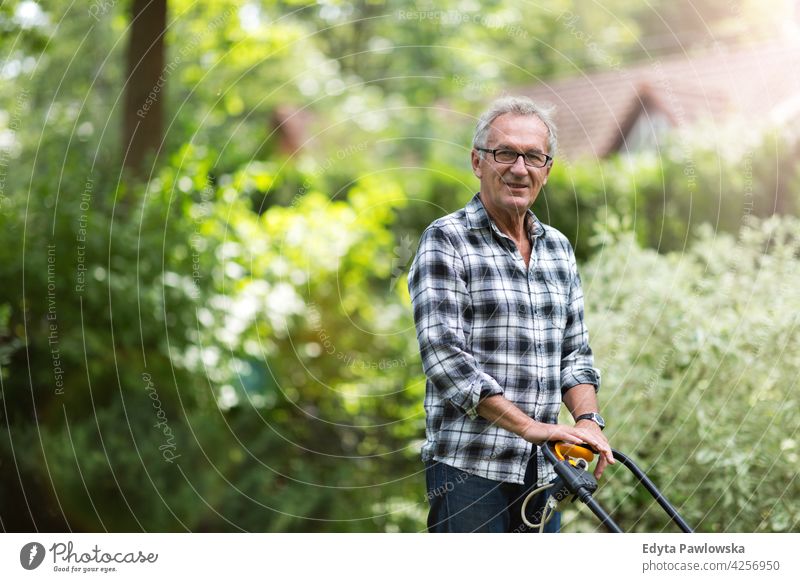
[{"x": 556, "y": 304}]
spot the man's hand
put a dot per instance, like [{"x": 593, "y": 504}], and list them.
[
  {"x": 579, "y": 434},
  {"x": 582, "y": 399},
  {"x": 606, "y": 457},
  {"x": 504, "y": 413}
]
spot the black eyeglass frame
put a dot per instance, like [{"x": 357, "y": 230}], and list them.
[{"x": 547, "y": 159}]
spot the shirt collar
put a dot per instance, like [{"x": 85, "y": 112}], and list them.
[{"x": 477, "y": 217}]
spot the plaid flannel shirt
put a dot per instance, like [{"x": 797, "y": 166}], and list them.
[{"x": 488, "y": 325}]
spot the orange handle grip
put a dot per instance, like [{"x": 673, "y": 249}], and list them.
[{"x": 570, "y": 451}]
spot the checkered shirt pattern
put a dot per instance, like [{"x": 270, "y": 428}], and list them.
[{"x": 488, "y": 325}]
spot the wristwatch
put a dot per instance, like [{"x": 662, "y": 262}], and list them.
[{"x": 594, "y": 417}]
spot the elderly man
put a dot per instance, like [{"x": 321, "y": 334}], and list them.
[{"x": 498, "y": 309}]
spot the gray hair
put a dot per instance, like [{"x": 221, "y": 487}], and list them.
[{"x": 517, "y": 106}]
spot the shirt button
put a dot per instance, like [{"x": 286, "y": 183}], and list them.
[{"x": 521, "y": 309}]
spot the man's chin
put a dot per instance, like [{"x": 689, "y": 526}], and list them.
[
  {"x": 518, "y": 205},
  {"x": 518, "y": 196}
]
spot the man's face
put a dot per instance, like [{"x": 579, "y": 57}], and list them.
[{"x": 511, "y": 188}]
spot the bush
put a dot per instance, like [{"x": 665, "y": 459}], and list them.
[
  {"x": 700, "y": 374},
  {"x": 188, "y": 364}
]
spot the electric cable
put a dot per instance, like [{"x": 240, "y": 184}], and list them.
[{"x": 545, "y": 516}]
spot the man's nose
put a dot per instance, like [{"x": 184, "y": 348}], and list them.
[{"x": 519, "y": 167}]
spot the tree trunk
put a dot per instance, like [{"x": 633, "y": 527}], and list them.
[{"x": 144, "y": 94}]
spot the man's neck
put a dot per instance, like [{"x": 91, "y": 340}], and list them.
[{"x": 512, "y": 225}]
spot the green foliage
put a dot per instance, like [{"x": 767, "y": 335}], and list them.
[
  {"x": 700, "y": 376},
  {"x": 665, "y": 196},
  {"x": 200, "y": 367}
]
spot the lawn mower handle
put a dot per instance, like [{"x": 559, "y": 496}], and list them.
[{"x": 566, "y": 472}]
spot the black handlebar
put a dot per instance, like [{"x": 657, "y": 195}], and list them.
[{"x": 582, "y": 485}]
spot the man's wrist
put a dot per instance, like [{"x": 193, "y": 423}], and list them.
[{"x": 592, "y": 417}]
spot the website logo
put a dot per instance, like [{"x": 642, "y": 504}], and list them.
[
  {"x": 402, "y": 256},
  {"x": 31, "y": 555}
]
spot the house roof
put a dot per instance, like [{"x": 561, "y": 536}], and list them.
[{"x": 594, "y": 111}]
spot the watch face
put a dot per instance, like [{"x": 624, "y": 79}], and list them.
[{"x": 596, "y": 418}]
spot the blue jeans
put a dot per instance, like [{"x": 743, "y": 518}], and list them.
[{"x": 461, "y": 502}]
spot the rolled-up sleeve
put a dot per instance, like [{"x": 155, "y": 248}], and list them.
[
  {"x": 442, "y": 311},
  {"x": 577, "y": 362}
]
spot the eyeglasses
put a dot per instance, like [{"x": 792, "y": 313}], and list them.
[{"x": 532, "y": 159}]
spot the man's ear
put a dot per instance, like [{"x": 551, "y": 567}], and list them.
[
  {"x": 476, "y": 163},
  {"x": 547, "y": 172}
]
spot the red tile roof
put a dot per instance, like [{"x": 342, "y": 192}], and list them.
[{"x": 595, "y": 110}]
